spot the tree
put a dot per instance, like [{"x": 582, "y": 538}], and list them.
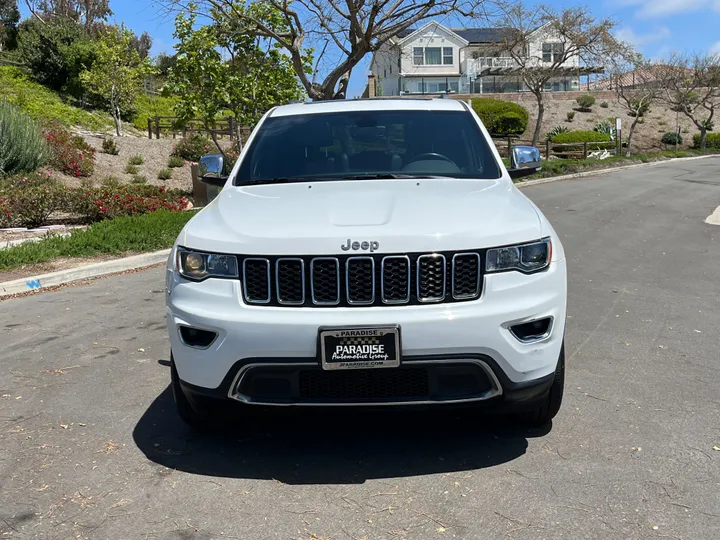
[
  {"x": 565, "y": 38},
  {"x": 637, "y": 87},
  {"x": 89, "y": 13},
  {"x": 222, "y": 68},
  {"x": 691, "y": 85},
  {"x": 117, "y": 73},
  {"x": 142, "y": 44},
  {"x": 345, "y": 31},
  {"x": 9, "y": 18}
]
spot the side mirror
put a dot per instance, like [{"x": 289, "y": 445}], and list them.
[
  {"x": 524, "y": 161},
  {"x": 212, "y": 170}
]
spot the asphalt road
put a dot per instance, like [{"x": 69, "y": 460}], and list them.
[{"x": 90, "y": 446}]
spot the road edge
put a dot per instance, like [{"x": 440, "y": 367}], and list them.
[
  {"x": 606, "y": 171},
  {"x": 61, "y": 277}
]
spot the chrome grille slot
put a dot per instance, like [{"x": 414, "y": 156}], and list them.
[
  {"x": 465, "y": 275},
  {"x": 290, "y": 281},
  {"x": 431, "y": 276},
  {"x": 360, "y": 280},
  {"x": 256, "y": 280},
  {"x": 325, "y": 281},
  {"x": 395, "y": 279}
]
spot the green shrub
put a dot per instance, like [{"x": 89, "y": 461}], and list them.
[
  {"x": 712, "y": 140},
  {"x": 22, "y": 145},
  {"x": 585, "y": 102},
  {"x": 28, "y": 201},
  {"x": 501, "y": 117},
  {"x": 69, "y": 153},
  {"x": 139, "y": 179},
  {"x": 131, "y": 169},
  {"x": 109, "y": 146},
  {"x": 164, "y": 174},
  {"x": 136, "y": 160},
  {"x": 42, "y": 104},
  {"x": 671, "y": 138},
  {"x": 110, "y": 182},
  {"x": 555, "y": 131},
  {"x": 604, "y": 105},
  {"x": 192, "y": 148},
  {"x": 581, "y": 136},
  {"x": 570, "y": 116},
  {"x": 175, "y": 162}
]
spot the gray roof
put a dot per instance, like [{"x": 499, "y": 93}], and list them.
[{"x": 473, "y": 35}]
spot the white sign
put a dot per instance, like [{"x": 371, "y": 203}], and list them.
[{"x": 618, "y": 124}]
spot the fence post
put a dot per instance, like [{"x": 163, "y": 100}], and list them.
[
  {"x": 585, "y": 150},
  {"x": 157, "y": 127},
  {"x": 547, "y": 149},
  {"x": 149, "y": 127},
  {"x": 230, "y": 120},
  {"x": 509, "y": 146}
]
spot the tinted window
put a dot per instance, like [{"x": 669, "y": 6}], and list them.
[{"x": 338, "y": 145}]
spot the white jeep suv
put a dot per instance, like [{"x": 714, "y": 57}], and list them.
[{"x": 368, "y": 252}]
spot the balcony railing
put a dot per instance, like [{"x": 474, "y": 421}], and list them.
[{"x": 477, "y": 65}]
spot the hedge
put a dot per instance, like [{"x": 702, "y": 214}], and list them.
[
  {"x": 712, "y": 140},
  {"x": 501, "y": 117},
  {"x": 581, "y": 137}
]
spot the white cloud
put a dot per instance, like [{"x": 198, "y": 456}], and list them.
[
  {"x": 628, "y": 35},
  {"x": 663, "y": 8},
  {"x": 715, "y": 48}
]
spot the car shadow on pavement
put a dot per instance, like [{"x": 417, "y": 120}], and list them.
[{"x": 345, "y": 446}]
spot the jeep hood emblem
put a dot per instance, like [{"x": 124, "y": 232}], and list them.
[{"x": 372, "y": 245}]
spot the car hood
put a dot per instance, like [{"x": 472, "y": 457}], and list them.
[{"x": 400, "y": 215}]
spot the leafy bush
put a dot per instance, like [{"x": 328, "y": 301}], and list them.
[
  {"x": 607, "y": 128},
  {"x": 192, "y": 148},
  {"x": 501, "y": 117},
  {"x": 672, "y": 138},
  {"x": 712, "y": 140},
  {"x": 28, "y": 201},
  {"x": 164, "y": 174},
  {"x": 604, "y": 105},
  {"x": 585, "y": 102},
  {"x": 42, "y": 104},
  {"x": 139, "y": 179},
  {"x": 22, "y": 146},
  {"x": 69, "y": 153},
  {"x": 131, "y": 169},
  {"x": 175, "y": 162},
  {"x": 555, "y": 131},
  {"x": 109, "y": 146},
  {"x": 136, "y": 160},
  {"x": 581, "y": 136},
  {"x": 570, "y": 116},
  {"x": 110, "y": 182}
]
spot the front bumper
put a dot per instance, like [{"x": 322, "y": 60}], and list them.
[{"x": 469, "y": 332}]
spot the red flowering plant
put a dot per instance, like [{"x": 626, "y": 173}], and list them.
[
  {"x": 69, "y": 153},
  {"x": 192, "y": 148},
  {"x": 29, "y": 200}
]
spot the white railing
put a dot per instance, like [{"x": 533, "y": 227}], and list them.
[{"x": 476, "y": 65}]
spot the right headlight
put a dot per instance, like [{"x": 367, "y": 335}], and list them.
[
  {"x": 522, "y": 257},
  {"x": 196, "y": 265}
]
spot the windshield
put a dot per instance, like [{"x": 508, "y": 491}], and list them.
[{"x": 368, "y": 144}]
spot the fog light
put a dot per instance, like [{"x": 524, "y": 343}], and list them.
[
  {"x": 532, "y": 331},
  {"x": 195, "y": 337}
]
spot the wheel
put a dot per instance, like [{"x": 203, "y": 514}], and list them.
[
  {"x": 543, "y": 414},
  {"x": 198, "y": 413}
]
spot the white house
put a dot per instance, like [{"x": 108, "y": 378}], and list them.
[{"x": 434, "y": 59}]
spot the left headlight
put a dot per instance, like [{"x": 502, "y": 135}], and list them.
[
  {"x": 525, "y": 257},
  {"x": 196, "y": 265}
]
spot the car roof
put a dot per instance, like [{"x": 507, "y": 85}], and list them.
[{"x": 382, "y": 104}]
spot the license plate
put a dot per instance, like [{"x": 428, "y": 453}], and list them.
[{"x": 360, "y": 348}]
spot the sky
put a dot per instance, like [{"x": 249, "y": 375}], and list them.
[{"x": 655, "y": 27}]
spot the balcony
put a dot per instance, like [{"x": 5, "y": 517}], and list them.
[{"x": 485, "y": 64}]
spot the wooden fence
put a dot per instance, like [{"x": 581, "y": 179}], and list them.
[
  {"x": 223, "y": 127},
  {"x": 551, "y": 149}
]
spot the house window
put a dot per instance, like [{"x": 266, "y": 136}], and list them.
[
  {"x": 418, "y": 56},
  {"x": 552, "y": 52},
  {"x": 447, "y": 56},
  {"x": 433, "y": 56}
]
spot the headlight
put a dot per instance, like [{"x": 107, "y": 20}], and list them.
[
  {"x": 525, "y": 257},
  {"x": 197, "y": 266}
]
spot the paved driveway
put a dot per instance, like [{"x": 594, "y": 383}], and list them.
[{"x": 90, "y": 446}]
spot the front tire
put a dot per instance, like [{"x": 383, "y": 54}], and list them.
[
  {"x": 544, "y": 413},
  {"x": 200, "y": 414}
]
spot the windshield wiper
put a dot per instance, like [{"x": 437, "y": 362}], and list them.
[{"x": 388, "y": 176}]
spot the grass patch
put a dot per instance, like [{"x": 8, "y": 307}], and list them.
[
  {"x": 139, "y": 179},
  {"x": 41, "y": 103},
  {"x": 175, "y": 161},
  {"x": 133, "y": 234},
  {"x": 164, "y": 174},
  {"x": 136, "y": 160},
  {"x": 131, "y": 169}
]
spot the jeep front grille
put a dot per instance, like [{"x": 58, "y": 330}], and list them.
[{"x": 362, "y": 280}]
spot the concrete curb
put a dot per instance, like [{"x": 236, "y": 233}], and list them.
[
  {"x": 607, "y": 171},
  {"x": 83, "y": 272}
]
